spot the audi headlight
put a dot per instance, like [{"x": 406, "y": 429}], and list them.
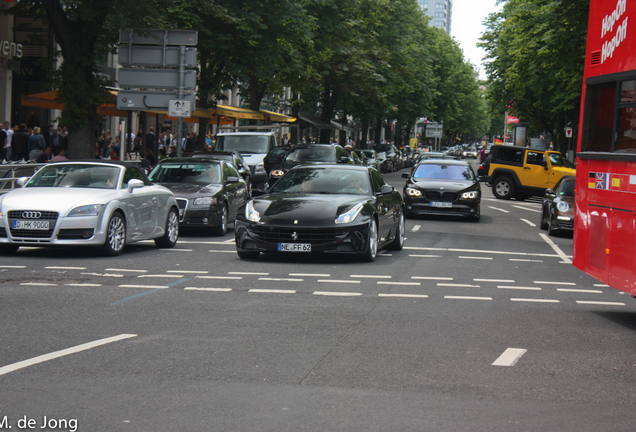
[
  {"x": 205, "y": 201},
  {"x": 563, "y": 207},
  {"x": 350, "y": 215},
  {"x": 259, "y": 169},
  {"x": 87, "y": 210},
  {"x": 469, "y": 195},
  {"x": 250, "y": 213},
  {"x": 278, "y": 173},
  {"x": 414, "y": 192}
]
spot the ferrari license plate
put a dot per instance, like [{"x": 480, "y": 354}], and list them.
[
  {"x": 294, "y": 247},
  {"x": 31, "y": 225},
  {"x": 441, "y": 204}
]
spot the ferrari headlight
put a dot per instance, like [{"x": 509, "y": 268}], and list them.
[
  {"x": 250, "y": 213},
  {"x": 87, "y": 210},
  {"x": 563, "y": 207},
  {"x": 205, "y": 201},
  {"x": 259, "y": 169},
  {"x": 350, "y": 215},
  {"x": 469, "y": 195},
  {"x": 414, "y": 192},
  {"x": 278, "y": 173}
]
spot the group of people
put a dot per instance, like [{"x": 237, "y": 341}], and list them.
[{"x": 30, "y": 143}]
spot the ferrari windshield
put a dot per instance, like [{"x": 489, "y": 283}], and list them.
[
  {"x": 323, "y": 181},
  {"x": 443, "y": 172},
  {"x": 77, "y": 176},
  {"x": 187, "y": 172}
]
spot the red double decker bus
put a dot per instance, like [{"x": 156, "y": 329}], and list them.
[{"x": 605, "y": 224}]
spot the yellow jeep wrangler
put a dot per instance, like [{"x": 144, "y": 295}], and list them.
[{"x": 522, "y": 172}]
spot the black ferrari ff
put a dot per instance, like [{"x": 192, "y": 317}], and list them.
[
  {"x": 346, "y": 209},
  {"x": 442, "y": 187}
]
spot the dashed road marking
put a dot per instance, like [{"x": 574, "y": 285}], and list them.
[
  {"x": 220, "y": 277},
  {"x": 416, "y": 228},
  {"x": 580, "y": 290},
  {"x": 399, "y": 283},
  {"x": 83, "y": 285},
  {"x": 519, "y": 288},
  {"x": 524, "y": 260},
  {"x": 64, "y": 268},
  {"x": 207, "y": 289},
  {"x": 249, "y": 273},
  {"x": 532, "y": 224},
  {"x": 467, "y": 298},
  {"x": 371, "y": 276},
  {"x": 12, "y": 267},
  {"x": 432, "y": 278},
  {"x": 495, "y": 280},
  {"x": 526, "y": 208},
  {"x": 600, "y": 303},
  {"x": 509, "y": 357},
  {"x": 161, "y": 276},
  {"x": 497, "y": 208},
  {"x": 458, "y": 285},
  {"x": 222, "y": 251},
  {"x": 271, "y": 291},
  {"x": 475, "y": 258},
  {"x": 534, "y": 300},
  {"x": 425, "y": 256},
  {"x": 554, "y": 283},
  {"x": 144, "y": 286},
  {"x": 338, "y": 281},
  {"x": 403, "y": 295},
  {"x": 310, "y": 274},
  {"x": 188, "y": 271},
  {"x": 281, "y": 279},
  {"x": 337, "y": 294},
  {"x": 37, "y": 284},
  {"x": 126, "y": 270}
]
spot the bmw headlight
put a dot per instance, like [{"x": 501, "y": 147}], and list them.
[
  {"x": 250, "y": 213},
  {"x": 563, "y": 207},
  {"x": 469, "y": 195},
  {"x": 350, "y": 215},
  {"x": 413, "y": 192},
  {"x": 205, "y": 201},
  {"x": 278, "y": 173},
  {"x": 259, "y": 169},
  {"x": 87, "y": 210}
]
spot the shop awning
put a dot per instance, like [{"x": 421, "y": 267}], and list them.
[
  {"x": 47, "y": 100},
  {"x": 237, "y": 112},
  {"x": 316, "y": 122},
  {"x": 278, "y": 117}
]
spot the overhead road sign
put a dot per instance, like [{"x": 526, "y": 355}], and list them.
[
  {"x": 156, "y": 78},
  {"x": 157, "y": 37},
  {"x": 155, "y": 56},
  {"x": 139, "y": 100}
]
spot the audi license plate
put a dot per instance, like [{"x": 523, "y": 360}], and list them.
[
  {"x": 442, "y": 204},
  {"x": 294, "y": 247},
  {"x": 31, "y": 225}
]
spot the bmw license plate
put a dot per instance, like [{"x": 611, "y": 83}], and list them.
[
  {"x": 294, "y": 247},
  {"x": 31, "y": 225},
  {"x": 441, "y": 204}
]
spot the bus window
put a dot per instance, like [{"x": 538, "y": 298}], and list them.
[{"x": 600, "y": 102}]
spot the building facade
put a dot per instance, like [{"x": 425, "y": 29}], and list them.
[{"x": 440, "y": 12}]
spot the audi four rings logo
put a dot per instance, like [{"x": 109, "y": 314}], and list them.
[
  {"x": 294, "y": 236},
  {"x": 31, "y": 215}
]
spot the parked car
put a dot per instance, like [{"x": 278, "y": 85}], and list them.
[
  {"x": 103, "y": 204},
  {"x": 208, "y": 191},
  {"x": 345, "y": 209},
  {"x": 557, "y": 207},
  {"x": 394, "y": 162},
  {"x": 386, "y": 164},
  {"x": 274, "y": 157},
  {"x": 442, "y": 187},
  {"x": 371, "y": 157},
  {"x": 232, "y": 157},
  {"x": 308, "y": 154}
]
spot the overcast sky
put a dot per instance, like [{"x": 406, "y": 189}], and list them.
[{"x": 467, "y": 28}]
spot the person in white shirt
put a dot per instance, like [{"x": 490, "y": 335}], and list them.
[{"x": 7, "y": 146}]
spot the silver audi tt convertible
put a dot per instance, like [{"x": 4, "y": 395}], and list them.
[{"x": 88, "y": 203}]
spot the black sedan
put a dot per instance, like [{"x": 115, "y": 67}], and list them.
[
  {"x": 344, "y": 209},
  {"x": 442, "y": 187},
  {"x": 557, "y": 208},
  {"x": 310, "y": 154},
  {"x": 208, "y": 191},
  {"x": 233, "y": 157}
]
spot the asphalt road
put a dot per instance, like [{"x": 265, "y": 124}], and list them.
[{"x": 472, "y": 327}]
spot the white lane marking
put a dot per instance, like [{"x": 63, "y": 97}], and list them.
[
  {"x": 534, "y": 300},
  {"x": 601, "y": 285},
  {"x": 126, "y": 270},
  {"x": 177, "y": 250},
  {"x": 188, "y": 271},
  {"x": 480, "y": 251},
  {"x": 249, "y": 273},
  {"x": 176, "y": 276},
  {"x": 467, "y": 298},
  {"x": 145, "y": 286},
  {"x": 426, "y": 256},
  {"x": 475, "y": 258},
  {"x": 403, "y": 295},
  {"x": 557, "y": 249},
  {"x": 524, "y": 260},
  {"x": 103, "y": 275},
  {"x": 399, "y": 283},
  {"x": 458, "y": 285},
  {"x": 580, "y": 290},
  {"x": 222, "y": 251},
  {"x": 495, "y": 280},
  {"x": 281, "y": 279},
  {"x": 83, "y": 285},
  {"x": 519, "y": 288},
  {"x": 228, "y": 241},
  {"x": 338, "y": 281},
  {"x": 220, "y": 277},
  {"x": 528, "y": 222},
  {"x": 416, "y": 228},
  {"x": 383, "y": 253},
  {"x": 337, "y": 294},
  {"x": 64, "y": 268},
  {"x": 554, "y": 283},
  {"x": 600, "y": 303},
  {"x": 371, "y": 276},
  {"x": 432, "y": 278},
  {"x": 193, "y": 242},
  {"x": 37, "y": 284},
  {"x": 526, "y": 208},
  {"x": 497, "y": 208},
  {"x": 509, "y": 357},
  {"x": 310, "y": 274},
  {"x": 271, "y": 291},
  {"x": 12, "y": 267},
  {"x": 207, "y": 289},
  {"x": 56, "y": 354}
]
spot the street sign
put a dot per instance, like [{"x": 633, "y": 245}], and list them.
[
  {"x": 137, "y": 100},
  {"x": 156, "y": 78},
  {"x": 153, "y": 56},
  {"x": 568, "y": 132},
  {"x": 179, "y": 108},
  {"x": 156, "y": 37}
]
